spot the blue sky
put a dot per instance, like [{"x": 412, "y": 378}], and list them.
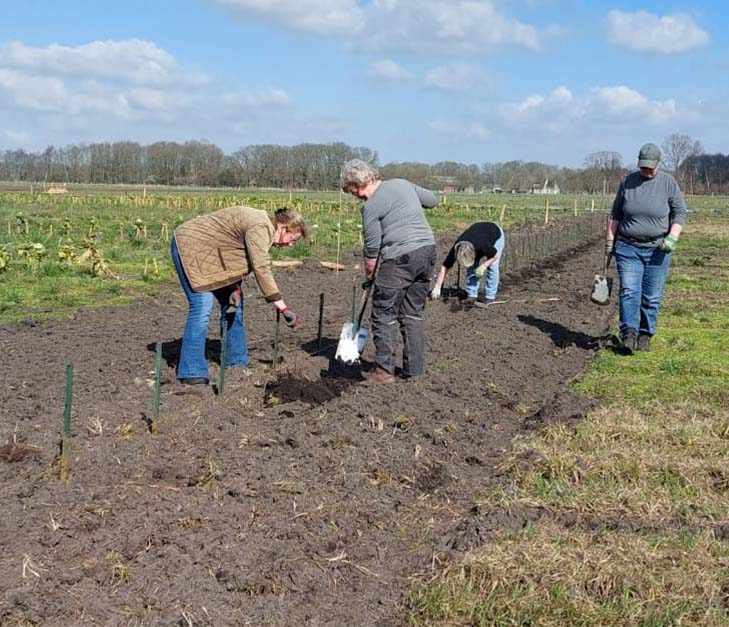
[{"x": 417, "y": 80}]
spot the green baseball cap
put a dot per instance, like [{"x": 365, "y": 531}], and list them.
[{"x": 649, "y": 156}]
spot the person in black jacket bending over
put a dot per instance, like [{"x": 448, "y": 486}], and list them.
[{"x": 478, "y": 249}]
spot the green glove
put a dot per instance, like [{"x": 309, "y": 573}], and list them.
[
  {"x": 669, "y": 243},
  {"x": 480, "y": 270}
]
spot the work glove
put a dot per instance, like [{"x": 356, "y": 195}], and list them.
[
  {"x": 290, "y": 317},
  {"x": 367, "y": 283},
  {"x": 480, "y": 270},
  {"x": 669, "y": 243},
  {"x": 609, "y": 246},
  {"x": 234, "y": 300},
  {"x": 435, "y": 293}
]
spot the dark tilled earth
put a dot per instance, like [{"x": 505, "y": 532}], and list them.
[{"x": 298, "y": 497}]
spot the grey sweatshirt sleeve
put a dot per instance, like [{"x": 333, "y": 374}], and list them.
[
  {"x": 427, "y": 198},
  {"x": 372, "y": 229},
  {"x": 617, "y": 210},
  {"x": 677, "y": 204}
]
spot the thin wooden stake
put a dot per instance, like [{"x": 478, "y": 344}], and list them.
[
  {"x": 546, "y": 211},
  {"x": 66, "y": 437},
  {"x": 157, "y": 387},
  {"x": 503, "y": 213},
  {"x": 339, "y": 230}
]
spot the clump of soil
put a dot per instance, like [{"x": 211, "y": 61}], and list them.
[
  {"x": 287, "y": 389},
  {"x": 13, "y": 453}
]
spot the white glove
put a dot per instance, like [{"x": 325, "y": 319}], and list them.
[
  {"x": 480, "y": 270},
  {"x": 435, "y": 293}
]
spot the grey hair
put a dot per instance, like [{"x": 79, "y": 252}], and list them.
[
  {"x": 357, "y": 172},
  {"x": 465, "y": 254},
  {"x": 292, "y": 219}
]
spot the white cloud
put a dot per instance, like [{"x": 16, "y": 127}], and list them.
[
  {"x": 647, "y": 32},
  {"x": 127, "y": 80},
  {"x": 547, "y": 110},
  {"x": 389, "y": 70},
  {"x": 562, "y": 110},
  {"x": 621, "y": 101},
  {"x": 133, "y": 60},
  {"x": 33, "y": 92},
  {"x": 452, "y": 77},
  {"x": 445, "y": 26},
  {"x": 320, "y": 17},
  {"x": 424, "y": 26}
]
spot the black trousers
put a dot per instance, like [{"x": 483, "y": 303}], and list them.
[{"x": 398, "y": 303}]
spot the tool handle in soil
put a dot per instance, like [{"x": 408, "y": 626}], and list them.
[
  {"x": 157, "y": 385},
  {"x": 365, "y": 298},
  {"x": 354, "y": 302},
  {"x": 223, "y": 351}
]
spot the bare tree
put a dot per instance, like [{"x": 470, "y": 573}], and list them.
[
  {"x": 603, "y": 170},
  {"x": 676, "y": 148}
]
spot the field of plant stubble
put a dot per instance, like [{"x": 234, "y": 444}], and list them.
[{"x": 296, "y": 496}]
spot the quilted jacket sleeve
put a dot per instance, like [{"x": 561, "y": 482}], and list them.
[{"x": 258, "y": 243}]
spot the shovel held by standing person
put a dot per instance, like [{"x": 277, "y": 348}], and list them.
[
  {"x": 353, "y": 337},
  {"x": 601, "y": 284}
]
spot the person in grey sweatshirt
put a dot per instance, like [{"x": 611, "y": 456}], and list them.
[
  {"x": 646, "y": 221},
  {"x": 397, "y": 233}
]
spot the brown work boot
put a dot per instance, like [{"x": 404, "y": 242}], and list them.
[
  {"x": 644, "y": 342},
  {"x": 378, "y": 376}
]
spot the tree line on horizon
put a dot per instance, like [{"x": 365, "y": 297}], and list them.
[{"x": 317, "y": 167}]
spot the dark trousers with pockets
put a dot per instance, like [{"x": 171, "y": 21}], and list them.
[{"x": 398, "y": 302}]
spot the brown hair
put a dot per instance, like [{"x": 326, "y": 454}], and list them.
[{"x": 292, "y": 219}]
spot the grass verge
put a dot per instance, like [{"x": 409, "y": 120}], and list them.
[{"x": 633, "y": 501}]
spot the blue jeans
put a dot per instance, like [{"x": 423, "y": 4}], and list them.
[
  {"x": 492, "y": 273},
  {"x": 642, "y": 273},
  {"x": 192, "y": 352}
]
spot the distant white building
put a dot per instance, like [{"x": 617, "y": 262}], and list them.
[{"x": 546, "y": 188}]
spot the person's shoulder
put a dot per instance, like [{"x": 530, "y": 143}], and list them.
[
  {"x": 666, "y": 177},
  {"x": 396, "y": 183}
]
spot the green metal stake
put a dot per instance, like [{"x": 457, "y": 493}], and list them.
[
  {"x": 157, "y": 386},
  {"x": 274, "y": 359},
  {"x": 223, "y": 350},
  {"x": 66, "y": 437}
]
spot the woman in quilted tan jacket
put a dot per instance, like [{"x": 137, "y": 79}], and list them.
[{"x": 212, "y": 254}]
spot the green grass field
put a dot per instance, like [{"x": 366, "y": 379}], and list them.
[
  {"x": 633, "y": 494},
  {"x": 104, "y": 246}
]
